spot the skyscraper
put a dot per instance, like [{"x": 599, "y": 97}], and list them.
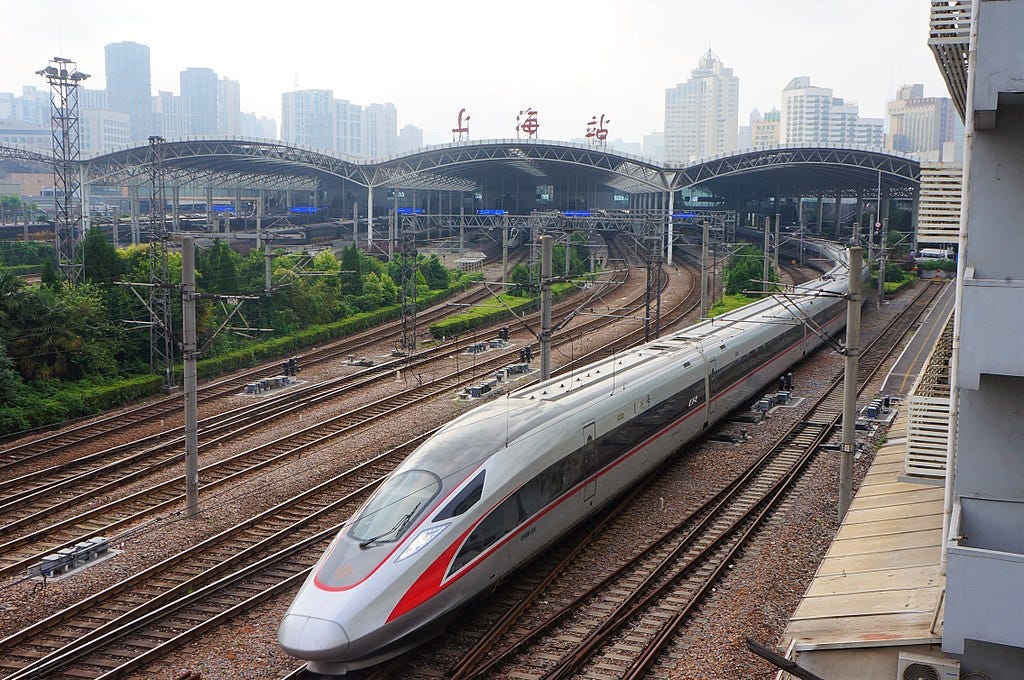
[
  {"x": 410, "y": 137},
  {"x": 380, "y": 130},
  {"x": 765, "y": 131},
  {"x": 307, "y": 118},
  {"x": 701, "y": 114},
  {"x": 811, "y": 115},
  {"x": 921, "y": 125},
  {"x": 348, "y": 127},
  {"x": 129, "y": 87},
  {"x": 229, "y": 108},
  {"x": 199, "y": 88}
]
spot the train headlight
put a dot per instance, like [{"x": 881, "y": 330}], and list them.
[{"x": 421, "y": 541}]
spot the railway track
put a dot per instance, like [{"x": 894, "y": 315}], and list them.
[
  {"x": 23, "y": 499},
  {"x": 48, "y": 645},
  {"x": 620, "y": 625},
  {"x": 45, "y": 647},
  {"x": 20, "y": 551},
  {"x": 95, "y": 429}
]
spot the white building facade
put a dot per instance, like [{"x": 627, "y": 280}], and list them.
[{"x": 701, "y": 115}]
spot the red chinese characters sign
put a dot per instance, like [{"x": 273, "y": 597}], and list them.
[
  {"x": 460, "y": 132},
  {"x": 597, "y": 131},
  {"x": 526, "y": 123}
]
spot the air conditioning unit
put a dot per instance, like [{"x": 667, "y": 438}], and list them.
[{"x": 920, "y": 667}]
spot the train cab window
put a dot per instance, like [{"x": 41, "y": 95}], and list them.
[
  {"x": 394, "y": 507},
  {"x": 464, "y": 500}
]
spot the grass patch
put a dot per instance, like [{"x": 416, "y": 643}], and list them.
[{"x": 730, "y": 302}]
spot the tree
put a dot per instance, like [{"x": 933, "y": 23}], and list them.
[
  {"x": 745, "y": 270},
  {"x": 102, "y": 263},
  {"x": 218, "y": 268},
  {"x": 351, "y": 271},
  {"x": 522, "y": 284},
  {"x": 48, "y": 274},
  {"x": 436, "y": 274}
]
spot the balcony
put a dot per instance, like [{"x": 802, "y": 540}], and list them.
[{"x": 985, "y": 574}]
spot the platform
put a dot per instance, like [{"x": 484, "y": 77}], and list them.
[{"x": 878, "y": 588}]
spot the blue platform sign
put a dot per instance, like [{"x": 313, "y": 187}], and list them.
[
  {"x": 305, "y": 209},
  {"x": 224, "y": 208},
  {"x": 577, "y": 213},
  {"x": 410, "y": 211},
  {"x": 491, "y": 211},
  {"x": 684, "y": 215}
]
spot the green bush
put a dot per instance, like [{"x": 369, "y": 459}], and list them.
[
  {"x": 893, "y": 287},
  {"x": 932, "y": 265}
]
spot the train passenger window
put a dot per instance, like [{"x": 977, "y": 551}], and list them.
[
  {"x": 394, "y": 507},
  {"x": 464, "y": 500}
]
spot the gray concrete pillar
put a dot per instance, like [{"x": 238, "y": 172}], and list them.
[
  {"x": 238, "y": 202},
  {"x": 176, "y": 208},
  {"x": 839, "y": 211},
  {"x": 210, "y": 226},
  {"x": 133, "y": 203},
  {"x": 821, "y": 213}
]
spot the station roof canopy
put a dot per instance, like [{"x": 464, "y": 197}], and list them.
[{"x": 464, "y": 166}]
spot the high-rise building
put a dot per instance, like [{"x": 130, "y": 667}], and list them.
[
  {"x": 173, "y": 115},
  {"x": 128, "y": 86},
  {"x": 765, "y": 132},
  {"x": 811, "y": 115},
  {"x": 199, "y": 88},
  {"x": 922, "y": 125},
  {"x": 101, "y": 131},
  {"x": 410, "y": 137},
  {"x": 33, "y": 106},
  {"x": 654, "y": 146},
  {"x": 229, "y": 108},
  {"x": 257, "y": 127},
  {"x": 380, "y": 130},
  {"x": 307, "y": 118},
  {"x": 92, "y": 99},
  {"x": 348, "y": 127},
  {"x": 6, "y": 105},
  {"x": 701, "y": 114}
]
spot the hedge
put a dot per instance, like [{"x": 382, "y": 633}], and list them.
[
  {"x": 489, "y": 312},
  {"x": 73, "y": 400}
]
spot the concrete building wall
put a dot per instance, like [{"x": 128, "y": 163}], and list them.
[{"x": 984, "y": 618}]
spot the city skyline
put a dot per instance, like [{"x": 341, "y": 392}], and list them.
[{"x": 568, "y": 60}]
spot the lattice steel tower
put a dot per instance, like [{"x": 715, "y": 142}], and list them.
[
  {"x": 161, "y": 330},
  {"x": 63, "y": 77}
]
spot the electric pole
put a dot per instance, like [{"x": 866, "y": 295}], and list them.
[
  {"x": 546, "y": 255},
  {"x": 704, "y": 271},
  {"x": 848, "y": 445},
  {"x": 764, "y": 267},
  {"x": 190, "y": 352}
]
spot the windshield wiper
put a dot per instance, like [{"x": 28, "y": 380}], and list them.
[{"x": 397, "y": 529}]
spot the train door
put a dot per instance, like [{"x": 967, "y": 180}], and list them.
[
  {"x": 712, "y": 404},
  {"x": 589, "y": 460}
]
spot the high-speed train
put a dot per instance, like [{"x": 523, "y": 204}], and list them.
[{"x": 495, "y": 486}]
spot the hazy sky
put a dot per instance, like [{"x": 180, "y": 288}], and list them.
[{"x": 569, "y": 59}]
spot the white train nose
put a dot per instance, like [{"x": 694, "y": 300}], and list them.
[{"x": 311, "y": 638}]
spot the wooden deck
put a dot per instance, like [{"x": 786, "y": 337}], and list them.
[{"x": 880, "y": 581}]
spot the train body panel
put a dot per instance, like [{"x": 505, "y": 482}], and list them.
[{"x": 498, "y": 484}]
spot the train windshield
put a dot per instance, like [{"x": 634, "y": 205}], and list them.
[{"x": 394, "y": 507}]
